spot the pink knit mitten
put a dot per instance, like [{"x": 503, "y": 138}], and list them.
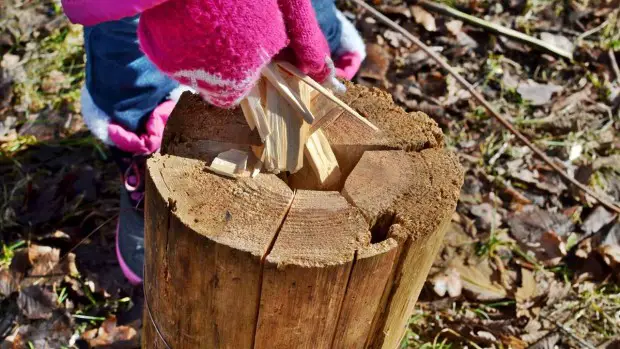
[{"x": 219, "y": 47}]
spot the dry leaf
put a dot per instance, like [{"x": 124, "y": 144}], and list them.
[
  {"x": 396, "y": 39},
  {"x": 597, "y": 219},
  {"x": 558, "y": 41},
  {"x": 43, "y": 259},
  {"x": 109, "y": 334},
  {"x": 610, "y": 254},
  {"x": 37, "y": 302},
  {"x": 376, "y": 64},
  {"x": 553, "y": 248},
  {"x": 528, "y": 288},
  {"x": 454, "y": 26},
  {"x": 424, "y": 18},
  {"x": 448, "y": 282},
  {"x": 537, "y": 94},
  {"x": 487, "y": 215},
  {"x": 478, "y": 280},
  {"x": 54, "y": 82}
]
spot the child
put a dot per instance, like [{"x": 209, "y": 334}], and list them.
[{"x": 218, "y": 47}]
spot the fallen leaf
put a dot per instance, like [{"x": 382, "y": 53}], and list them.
[
  {"x": 449, "y": 282},
  {"x": 45, "y": 262},
  {"x": 610, "y": 254},
  {"x": 543, "y": 232},
  {"x": 54, "y": 82},
  {"x": 8, "y": 285},
  {"x": 528, "y": 288},
  {"x": 537, "y": 94},
  {"x": 611, "y": 162},
  {"x": 553, "y": 248},
  {"x": 487, "y": 216},
  {"x": 558, "y": 41},
  {"x": 548, "y": 184},
  {"x": 584, "y": 248},
  {"x": 424, "y": 18},
  {"x": 109, "y": 334},
  {"x": 396, "y": 39},
  {"x": 547, "y": 342},
  {"x": 454, "y": 26},
  {"x": 36, "y": 302},
  {"x": 513, "y": 342},
  {"x": 43, "y": 259},
  {"x": 597, "y": 219},
  {"x": 478, "y": 280},
  {"x": 509, "y": 81},
  {"x": 55, "y": 332},
  {"x": 529, "y": 225},
  {"x": 376, "y": 64}
]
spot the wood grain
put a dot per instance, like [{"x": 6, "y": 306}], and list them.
[{"x": 307, "y": 271}]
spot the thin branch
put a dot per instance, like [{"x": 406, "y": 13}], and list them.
[
  {"x": 592, "y": 31},
  {"x": 566, "y": 330},
  {"x": 608, "y": 204},
  {"x": 495, "y": 28}
]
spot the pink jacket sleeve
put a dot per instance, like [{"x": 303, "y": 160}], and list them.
[
  {"x": 306, "y": 39},
  {"x": 91, "y": 12}
]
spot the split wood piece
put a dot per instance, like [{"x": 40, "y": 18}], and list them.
[
  {"x": 411, "y": 201},
  {"x": 284, "y": 145},
  {"x": 231, "y": 163},
  {"x": 296, "y": 154},
  {"x": 272, "y": 73},
  {"x": 318, "y": 152},
  {"x": 254, "y": 112},
  {"x": 328, "y": 94},
  {"x": 307, "y": 272},
  {"x": 322, "y": 160},
  {"x": 205, "y": 236}
]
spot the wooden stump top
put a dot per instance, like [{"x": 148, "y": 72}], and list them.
[{"x": 274, "y": 262}]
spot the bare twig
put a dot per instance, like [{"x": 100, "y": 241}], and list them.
[
  {"x": 61, "y": 259},
  {"x": 614, "y": 63},
  {"x": 592, "y": 31},
  {"x": 608, "y": 204},
  {"x": 566, "y": 330},
  {"x": 495, "y": 28}
]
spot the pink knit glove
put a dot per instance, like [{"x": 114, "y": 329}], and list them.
[{"x": 219, "y": 47}]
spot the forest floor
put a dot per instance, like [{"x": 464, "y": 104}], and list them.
[{"x": 529, "y": 261}]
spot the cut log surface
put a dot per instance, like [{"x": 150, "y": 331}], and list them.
[{"x": 253, "y": 263}]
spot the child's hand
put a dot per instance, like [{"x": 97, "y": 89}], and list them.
[{"x": 219, "y": 47}]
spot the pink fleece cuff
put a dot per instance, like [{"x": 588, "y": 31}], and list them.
[
  {"x": 147, "y": 142},
  {"x": 347, "y": 65}
]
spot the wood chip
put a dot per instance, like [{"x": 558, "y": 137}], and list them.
[
  {"x": 272, "y": 73},
  {"x": 231, "y": 163},
  {"x": 322, "y": 159},
  {"x": 254, "y": 112}
]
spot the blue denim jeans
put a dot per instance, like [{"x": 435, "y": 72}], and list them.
[{"x": 127, "y": 86}]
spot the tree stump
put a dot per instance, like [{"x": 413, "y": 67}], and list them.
[{"x": 275, "y": 262}]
